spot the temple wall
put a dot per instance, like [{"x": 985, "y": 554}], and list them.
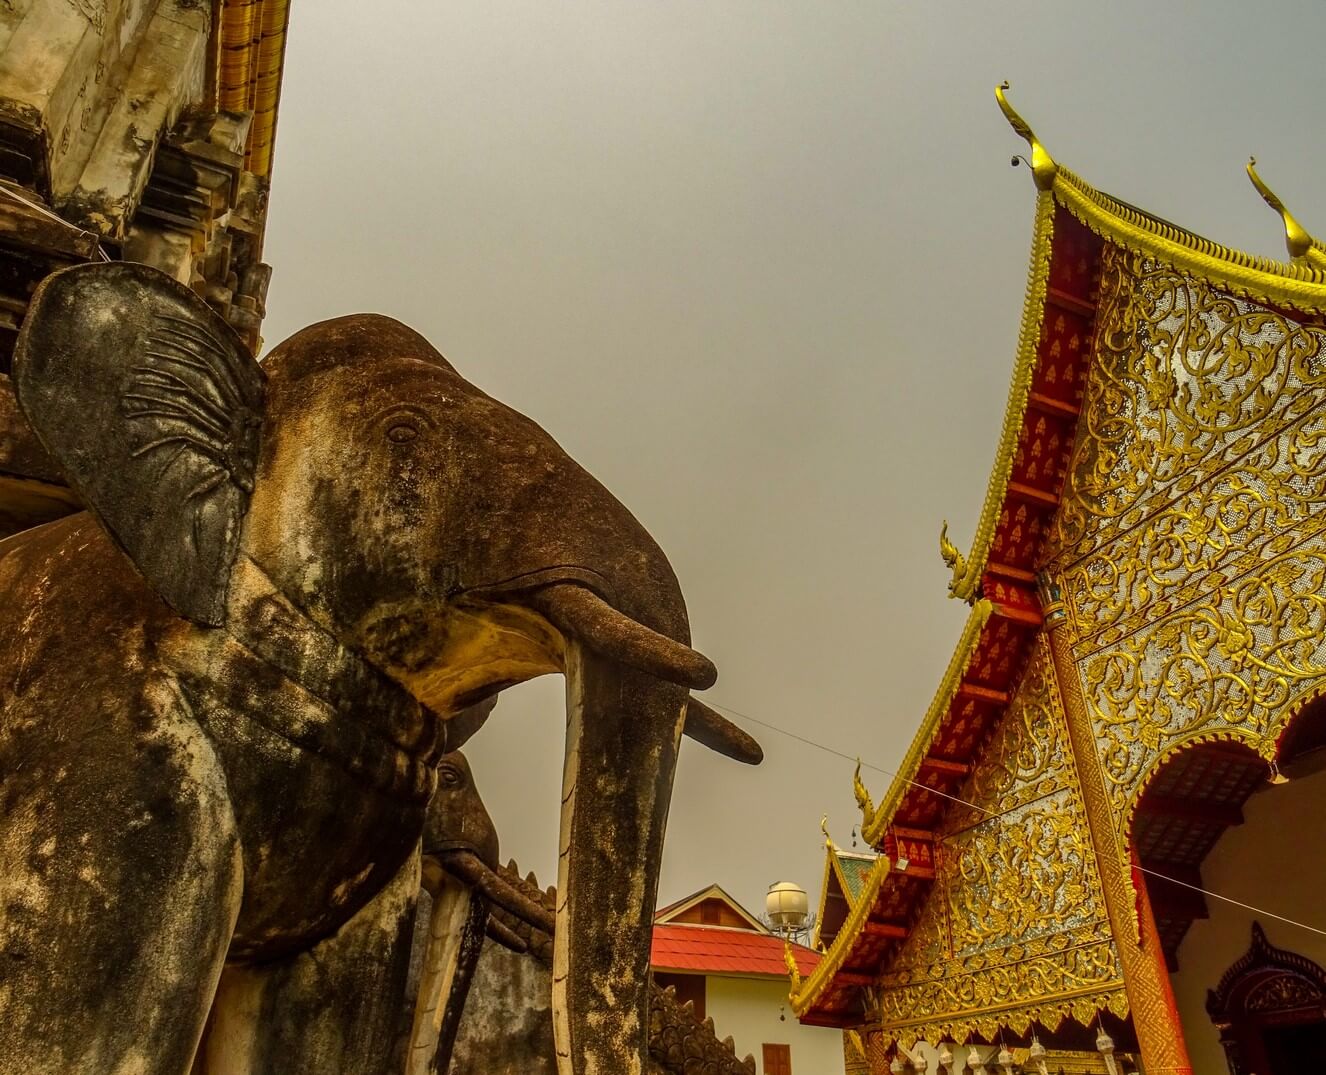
[
  {"x": 1266, "y": 862},
  {"x": 748, "y": 1009}
]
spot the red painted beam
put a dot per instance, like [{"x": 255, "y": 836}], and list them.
[{"x": 873, "y": 928}]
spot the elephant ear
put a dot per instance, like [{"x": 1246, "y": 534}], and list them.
[{"x": 153, "y": 406}]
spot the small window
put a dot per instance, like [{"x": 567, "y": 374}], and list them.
[
  {"x": 777, "y": 1060},
  {"x": 711, "y": 914}
]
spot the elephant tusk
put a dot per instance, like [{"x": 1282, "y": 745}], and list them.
[
  {"x": 507, "y": 937},
  {"x": 468, "y": 867},
  {"x": 584, "y": 615},
  {"x": 718, "y": 733}
]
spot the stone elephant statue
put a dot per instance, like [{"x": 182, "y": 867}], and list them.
[
  {"x": 508, "y": 1026},
  {"x": 225, "y": 689},
  {"x": 461, "y": 882}
]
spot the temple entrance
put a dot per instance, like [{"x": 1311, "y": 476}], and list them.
[
  {"x": 1270, "y": 1010},
  {"x": 1294, "y": 1049},
  {"x": 1250, "y": 988}
]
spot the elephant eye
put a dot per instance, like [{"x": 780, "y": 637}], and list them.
[
  {"x": 448, "y": 777},
  {"x": 402, "y": 432}
]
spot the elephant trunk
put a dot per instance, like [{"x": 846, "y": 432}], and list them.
[
  {"x": 623, "y": 731},
  {"x": 479, "y": 875}
]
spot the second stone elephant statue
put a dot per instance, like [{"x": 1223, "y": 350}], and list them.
[{"x": 225, "y": 689}]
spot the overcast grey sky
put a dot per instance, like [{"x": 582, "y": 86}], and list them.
[{"x": 759, "y": 267}]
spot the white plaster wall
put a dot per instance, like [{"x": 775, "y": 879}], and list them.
[
  {"x": 1273, "y": 860},
  {"x": 748, "y": 1010}
]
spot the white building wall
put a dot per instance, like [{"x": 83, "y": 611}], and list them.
[
  {"x": 1273, "y": 860},
  {"x": 748, "y": 1009}
]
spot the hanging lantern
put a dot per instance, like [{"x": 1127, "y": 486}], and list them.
[
  {"x": 1005, "y": 1059},
  {"x": 1037, "y": 1053},
  {"x": 975, "y": 1062},
  {"x": 945, "y": 1058},
  {"x": 897, "y": 1067},
  {"x": 1105, "y": 1045}
]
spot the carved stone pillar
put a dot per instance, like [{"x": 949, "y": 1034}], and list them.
[{"x": 1146, "y": 980}]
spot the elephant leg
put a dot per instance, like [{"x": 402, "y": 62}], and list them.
[
  {"x": 120, "y": 882},
  {"x": 336, "y": 1008}
]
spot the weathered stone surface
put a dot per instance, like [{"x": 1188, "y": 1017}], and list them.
[
  {"x": 99, "y": 189},
  {"x": 228, "y": 763},
  {"x": 508, "y": 1028},
  {"x": 508, "y": 1021},
  {"x": 32, "y": 490}
]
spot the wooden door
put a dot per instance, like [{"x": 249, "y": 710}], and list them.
[{"x": 777, "y": 1060}]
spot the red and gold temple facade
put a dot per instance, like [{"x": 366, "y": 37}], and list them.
[{"x": 1148, "y": 618}]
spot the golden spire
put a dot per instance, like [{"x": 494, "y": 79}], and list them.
[
  {"x": 1043, "y": 168},
  {"x": 863, "y": 799},
  {"x": 1301, "y": 245}
]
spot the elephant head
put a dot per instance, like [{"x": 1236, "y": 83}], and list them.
[
  {"x": 460, "y": 874},
  {"x": 441, "y": 536}
]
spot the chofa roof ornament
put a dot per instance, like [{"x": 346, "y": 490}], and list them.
[
  {"x": 1043, "y": 168},
  {"x": 1302, "y": 246},
  {"x": 953, "y": 559}
]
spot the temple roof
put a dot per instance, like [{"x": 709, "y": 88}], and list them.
[
  {"x": 249, "y": 47},
  {"x": 846, "y": 875},
  {"x": 998, "y": 575},
  {"x": 694, "y": 949},
  {"x": 689, "y": 909}
]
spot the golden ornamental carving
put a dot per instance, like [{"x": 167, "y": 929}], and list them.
[
  {"x": 1043, "y": 168},
  {"x": 862, "y": 793},
  {"x": 1191, "y": 540},
  {"x": 1186, "y": 382},
  {"x": 1301, "y": 245},
  {"x": 1016, "y": 927},
  {"x": 953, "y": 559},
  {"x": 793, "y": 971},
  {"x": 1231, "y": 665}
]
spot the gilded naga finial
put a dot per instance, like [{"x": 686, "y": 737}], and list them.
[
  {"x": 860, "y": 1046},
  {"x": 793, "y": 971},
  {"x": 863, "y": 799},
  {"x": 1043, "y": 168},
  {"x": 824, "y": 828},
  {"x": 954, "y": 559},
  {"x": 1301, "y": 245}
]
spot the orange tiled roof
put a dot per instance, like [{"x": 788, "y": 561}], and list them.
[{"x": 718, "y": 950}]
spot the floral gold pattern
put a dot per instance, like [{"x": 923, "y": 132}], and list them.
[
  {"x": 1191, "y": 541},
  {"x": 1016, "y": 928}
]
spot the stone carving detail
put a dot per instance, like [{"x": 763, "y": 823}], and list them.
[
  {"x": 1015, "y": 928},
  {"x": 679, "y": 1043},
  {"x": 291, "y": 587},
  {"x": 1190, "y": 544}
]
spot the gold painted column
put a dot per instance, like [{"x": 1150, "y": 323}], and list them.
[{"x": 1145, "y": 977}]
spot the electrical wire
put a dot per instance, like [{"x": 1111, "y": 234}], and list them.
[{"x": 992, "y": 813}]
